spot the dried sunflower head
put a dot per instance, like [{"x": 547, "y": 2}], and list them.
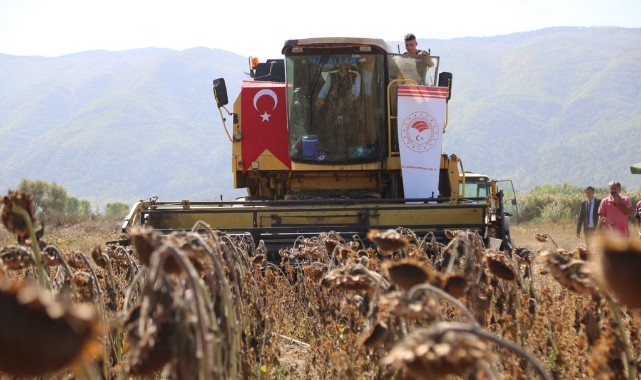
[
  {"x": 84, "y": 284},
  {"x": 314, "y": 272},
  {"x": 76, "y": 260},
  {"x": 331, "y": 240},
  {"x": 455, "y": 284},
  {"x": 258, "y": 260},
  {"x": 192, "y": 246},
  {"x": 40, "y": 335},
  {"x": 14, "y": 222},
  {"x": 576, "y": 275},
  {"x": 458, "y": 249},
  {"x": 118, "y": 255},
  {"x": 501, "y": 265},
  {"x": 582, "y": 253},
  {"x": 388, "y": 241},
  {"x": 543, "y": 238},
  {"x": 150, "y": 351},
  {"x": 407, "y": 273},
  {"x": 146, "y": 240},
  {"x": 374, "y": 336},
  {"x": 421, "y": 307},
  {"x": 99, "y": 257},
  {"x": 438, "y": 352},
  {"x": 51, "y": 256},
  {"x": 430, "y": 246},
  {"x": 524, "y": 255},
  {"x": 618, "y": 267},
  {"x": 16, "y": 257},
  {"x": 348, "y": 278},
  {"x": 451, "y": 234}
]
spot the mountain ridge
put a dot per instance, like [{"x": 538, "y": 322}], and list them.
[{"x": 557, "y": 105}]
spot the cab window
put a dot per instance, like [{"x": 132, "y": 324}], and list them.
[{"x": 336, "y": 107}]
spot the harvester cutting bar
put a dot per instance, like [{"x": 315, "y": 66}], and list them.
[{"x": 280, "y": 223}]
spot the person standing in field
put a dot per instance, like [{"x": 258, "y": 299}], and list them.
[
  {"x": 588, "y": 215},
  {"x": 614, "y": 211}
]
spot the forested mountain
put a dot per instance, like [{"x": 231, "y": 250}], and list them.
[
  {"x": 552, "y": 106},
  {"x": 559, "y": 105}
]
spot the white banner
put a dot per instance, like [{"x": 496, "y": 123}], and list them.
[{"x": 421, "y": 116}]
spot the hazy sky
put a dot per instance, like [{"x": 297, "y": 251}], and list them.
[{"x": 256, "y": 28}]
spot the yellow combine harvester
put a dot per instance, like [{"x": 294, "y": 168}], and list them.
[{"x": 342, "y": 135}]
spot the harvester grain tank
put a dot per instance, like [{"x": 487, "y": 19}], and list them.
[{"x": 341, "y": 135}]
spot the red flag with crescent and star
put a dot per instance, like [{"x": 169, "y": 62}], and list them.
[{"x": 263, "y": 107}]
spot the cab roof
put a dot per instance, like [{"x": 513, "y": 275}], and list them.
[{"x": 337, "y": 41}]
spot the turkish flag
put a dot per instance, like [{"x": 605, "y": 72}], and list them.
[{"x": 263, "y": 107}]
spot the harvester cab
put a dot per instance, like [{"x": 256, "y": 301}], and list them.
[{"x": 340, "y": 135}]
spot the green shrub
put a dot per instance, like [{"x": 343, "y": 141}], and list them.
[
  {"x": 551, "y": 203},
  {"x": 555, "y": 211},
  {"x": 116, "y": 211}
]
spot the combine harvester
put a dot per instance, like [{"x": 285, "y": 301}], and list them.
[{"x": 342, "y": 135}]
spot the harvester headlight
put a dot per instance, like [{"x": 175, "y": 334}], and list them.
[{"x": 493, "y": 215}]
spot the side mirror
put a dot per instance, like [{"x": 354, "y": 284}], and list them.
[
  {"x": 220, "y": 92},
  {"x": 445, "y": 80}
]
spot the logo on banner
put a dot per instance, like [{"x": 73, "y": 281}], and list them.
[{"x": 419, "y": 131}]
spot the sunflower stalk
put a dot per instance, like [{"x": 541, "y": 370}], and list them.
[
  {"x": 531, "y": 282},
  {"x": 158, "y": 259},
  {"x": 43, "y": 280},
  {"x": 616, "y": 314},
  {"x": 519, "y": 324},
  {"x": 133, "y": 268},
  {"x": 377, "y": 296},
  {"x": 111, "y": 290},
  {"x": 65, "y": 265},
  {"x": 233, "y": 333},
  {"x": 136, "y": 283},
  {"x": 102, "y": 312},
  {"x": 115, "y": 339}
]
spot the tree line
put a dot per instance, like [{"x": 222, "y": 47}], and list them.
[{"x": 54, "y": 205}]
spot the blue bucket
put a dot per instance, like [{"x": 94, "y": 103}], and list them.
[{"x": 310, "y": 145}]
